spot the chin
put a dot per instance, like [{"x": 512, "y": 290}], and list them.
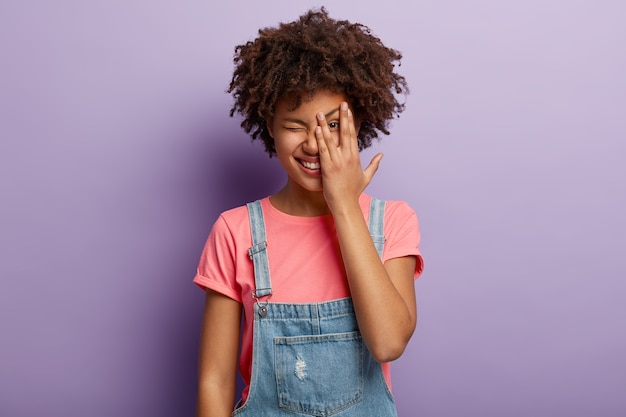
[{"x": 312, "y": 188}]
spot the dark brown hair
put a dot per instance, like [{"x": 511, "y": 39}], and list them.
[{"x": 315, "y": 53}]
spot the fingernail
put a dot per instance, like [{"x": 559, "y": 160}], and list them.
[
  {"x": 320, "y": 116},
  {"x": 344, "y": 105}
]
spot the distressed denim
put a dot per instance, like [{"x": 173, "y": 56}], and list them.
[{"x": 310, "y": 359}]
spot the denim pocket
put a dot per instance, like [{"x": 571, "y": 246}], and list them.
[{"x": 319, "y": 375}]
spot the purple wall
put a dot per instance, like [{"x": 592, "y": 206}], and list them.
[{"x": 117, "y": 154}]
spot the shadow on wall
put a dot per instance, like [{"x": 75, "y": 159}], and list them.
[
  {"x": 242, "y": 172},
  {"x": 228, "y": 172}
]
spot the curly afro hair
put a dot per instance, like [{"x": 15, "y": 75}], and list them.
[{"x": 315, "y": 53}]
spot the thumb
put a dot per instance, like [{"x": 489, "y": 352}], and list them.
[{"x": 372, "y": 167}]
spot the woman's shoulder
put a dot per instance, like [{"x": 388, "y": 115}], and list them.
[
  {"x": 238, "y": 213},
  {"x": 392, "y": 207},
  {"x": 399, "y": 207},
  {"x": 235, "y": 221}
]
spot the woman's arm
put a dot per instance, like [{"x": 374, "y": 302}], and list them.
[
  {"x": 383, "y": 295},
  {"x": 219, "y": 346}
]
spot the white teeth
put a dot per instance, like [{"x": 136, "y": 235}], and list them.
[{"x": 310, "y": 165}]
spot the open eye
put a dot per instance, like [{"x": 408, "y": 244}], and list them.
[{"x": 333, "y": 125}]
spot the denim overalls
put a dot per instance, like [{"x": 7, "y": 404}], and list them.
[{"x": 310, "y": 359}]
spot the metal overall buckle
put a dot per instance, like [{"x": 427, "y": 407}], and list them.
[{"x": 262, "y": 304}]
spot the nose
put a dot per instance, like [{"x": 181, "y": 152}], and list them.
[{"x": 309, "y": 146}]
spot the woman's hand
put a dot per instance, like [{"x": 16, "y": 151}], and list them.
[
  {"x": 383, "y": 295},
  {"x": 343, "y": 178}
]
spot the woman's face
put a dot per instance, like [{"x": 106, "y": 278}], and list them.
[{"x": 294, "y": 136}]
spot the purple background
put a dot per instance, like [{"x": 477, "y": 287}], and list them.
[{"x": 117, "y": 154}]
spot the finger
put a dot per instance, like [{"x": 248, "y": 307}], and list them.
[
  {"x": 372, "y": 167},
  {"x": 322, "y": 147},
  {"x": 326, "y": 134},
  {"x": 354, "y": 143},
  {"x": 344, "y": 126}
]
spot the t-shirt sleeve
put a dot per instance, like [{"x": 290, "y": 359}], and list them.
[
  {"x": 402, "y": 234},
  {"x": 217, "y": 266}
]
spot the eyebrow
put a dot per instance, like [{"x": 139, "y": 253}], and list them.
[{"x": 303, "y": 123}]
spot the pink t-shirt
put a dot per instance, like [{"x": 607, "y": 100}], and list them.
[{"x": 304, "y": 260}]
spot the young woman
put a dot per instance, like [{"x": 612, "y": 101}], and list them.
[{"x": 322, "y": 273}]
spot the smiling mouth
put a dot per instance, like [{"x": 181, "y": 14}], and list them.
[{"x": 309, "y": 165}]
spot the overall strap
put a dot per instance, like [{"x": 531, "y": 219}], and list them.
[
  {"x": 258, "y": 251},
  {"x": 377, "y": 224}
]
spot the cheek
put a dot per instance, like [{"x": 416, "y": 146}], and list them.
[{"x": 284, "y": 144}]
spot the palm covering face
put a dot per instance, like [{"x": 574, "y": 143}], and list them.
[{"x": 342, "y": 175}]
